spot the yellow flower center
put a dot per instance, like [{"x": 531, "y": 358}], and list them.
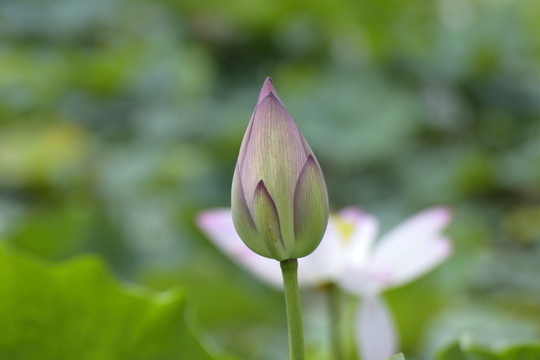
[{"x": 345, "y": 229}]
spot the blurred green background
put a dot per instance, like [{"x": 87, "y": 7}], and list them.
[{"x": 121, "y": 119}]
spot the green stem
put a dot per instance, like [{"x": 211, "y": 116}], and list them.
[
  {"x": 289, "y": 269},
  {"x": 334, "y": 304}
]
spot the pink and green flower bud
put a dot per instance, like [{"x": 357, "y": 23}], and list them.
[{"x": 279, "y": 197}]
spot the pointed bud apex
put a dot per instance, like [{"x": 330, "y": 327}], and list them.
[{"x": 279, "y": 198}]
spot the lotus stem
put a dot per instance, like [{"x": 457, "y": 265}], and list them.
[
  {"x": 335, "y": 310},
  {"x": 289, "y": 268}
]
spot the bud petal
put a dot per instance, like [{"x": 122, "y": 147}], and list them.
[
  {"x": 275, "y": 152},
  {"x": 272, "y": 156},
  {"x": 267, "y": 220},
  {"x": 266, "y": 90},
  {"x": 310, "y": 208},
  {"x": 243, "y": 220}
]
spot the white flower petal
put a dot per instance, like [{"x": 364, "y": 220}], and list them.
[
  {"x": 376, "y": 336},
  {"x": 413, "y": 264},
  {"x": 326, "y": 263},
  {"x": 346, "y": 241},
  {"x": 218, "y": 226},
  {"x": 403, "y": 252},
  {"x": 265, "y": 269},
  {"x": 421, "y": 227},
  {"x": 359, "y": 281},
  {"x": 364, "y": 230}
]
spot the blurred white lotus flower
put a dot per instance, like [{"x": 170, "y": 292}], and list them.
[
  {"x": 408, "y": 251},
  {"x": 349, "y": 257}
]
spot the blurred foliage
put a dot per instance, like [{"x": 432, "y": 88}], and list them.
[
  {"x": 472, "y": 352},
  {"x": 75, "y": 311},
  {"x": 120, "y": 119}
]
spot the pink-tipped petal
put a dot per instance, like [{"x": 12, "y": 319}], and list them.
[
  {"x": 424, "y": 225},
  {"x": 353, "y": 214},
  {"x": 267, "y": 88},
  {"x": 376, "y": 336},
  {"x": 274, "y": 153},
  {"x": 410, "y": 238},
  {"x": 217, "y": 225},
  {"x": 413, "y": 263}
]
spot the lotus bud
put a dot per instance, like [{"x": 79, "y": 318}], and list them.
[{"x": 279, "y": 197}]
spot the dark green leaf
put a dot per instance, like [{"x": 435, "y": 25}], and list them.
[{"x": 77, "y": 311}]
